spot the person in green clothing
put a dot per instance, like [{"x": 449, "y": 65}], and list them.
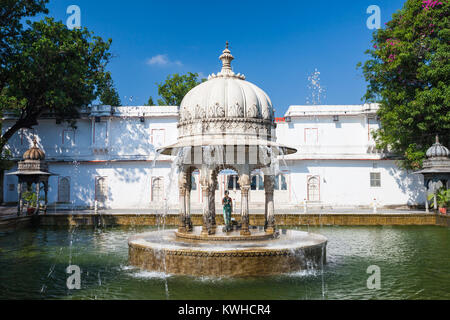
[{"x": 227, "y": 203}]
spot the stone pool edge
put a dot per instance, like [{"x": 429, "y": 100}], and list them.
[{"x": 77, "y": 219}]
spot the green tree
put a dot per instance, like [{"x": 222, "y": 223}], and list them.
[
  {"x": 54, "y": 70},
  {"x": 175, "y": 87},
  {"x": 109, "y": 94},
  {"x": 150, "y": 102},
  {"x": 408, "y": 73},
  {"x": 11, "y": 14}
]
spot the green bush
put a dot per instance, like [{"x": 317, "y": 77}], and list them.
[{"x": 442, "y": 198}]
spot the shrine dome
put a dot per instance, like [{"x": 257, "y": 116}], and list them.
[
  {"x": 34, "y": 153},
  {"x": 437, "y": 150},
  {"x": 226, "y": 95},
  {"x": 226, "y": 110}
]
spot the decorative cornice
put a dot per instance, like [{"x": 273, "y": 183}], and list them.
[{"x": 227, "y": 120}]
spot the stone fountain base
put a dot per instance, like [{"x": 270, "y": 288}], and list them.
[
  {"x": 221, "y": 235},
  {"x": 286, "y": 252}
]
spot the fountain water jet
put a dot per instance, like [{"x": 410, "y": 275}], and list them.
[{"x": 226, "y": 123}]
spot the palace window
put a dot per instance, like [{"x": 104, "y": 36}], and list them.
[
  {"x": 314, "y": 188},
  {"x": 280, "y": 182},
  {"x": 257, "y": 182},
  {"x": 68, "y": 138},
  {"x": 157, "y": 189},
  {"x": 101, "y": 189},
  {"x": 64, "y": 189},
  {"x": 233, "y": 183},
  {"x": 193, "y": 182},
  {"x": 375, "y": 179},
  {"x": 372, "y": 126},
  {"x": 100, "y": 133}
]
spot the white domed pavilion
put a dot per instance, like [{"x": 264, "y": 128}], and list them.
[{"x": 225, "y": 122}]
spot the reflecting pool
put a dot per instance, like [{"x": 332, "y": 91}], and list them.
[{"x": 413, "y": 260}]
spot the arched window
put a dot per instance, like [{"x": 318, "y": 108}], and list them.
[
  {"x": 64, "y": 189},
  {"x": 157, "y": 189},
  {"x": 314, "y": 188},
  {"x": 101, "y": 189}
]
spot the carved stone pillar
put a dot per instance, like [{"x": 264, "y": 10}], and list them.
[
  {"x": 244, "y": 182},
  {"x": 212, "y": 206},
  {"x": 206, "y": 185},
  {"x": 187, "y": 200},
  {"x": 19, "y": 201},
  {"x": 206, "y": 221},
  {"x": 182, "y": 184},
  {"x": 45, "y": 196},
  {"x": 38, "y": 189},
  {"x": 269, "y": 211}
]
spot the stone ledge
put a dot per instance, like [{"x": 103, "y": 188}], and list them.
[
  {"x": 255, "y": 219},
  {"x": 18, "y": 222}
]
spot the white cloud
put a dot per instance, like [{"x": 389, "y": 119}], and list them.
[{"x": 163, "y": 61}]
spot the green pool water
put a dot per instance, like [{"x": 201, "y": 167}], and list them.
[{"x": 414, "y": 264}]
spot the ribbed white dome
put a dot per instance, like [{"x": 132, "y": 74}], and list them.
[
  {"x": 226, "y": 110},
  {"x": 437, "y": 150},
  {"x": 229, "y": 97},
  {"x": 226, "y": 95}
]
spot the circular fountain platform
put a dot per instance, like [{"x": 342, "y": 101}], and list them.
[
  {"x": 285, "y": 252},
  {"x": 220, "y": 235}
]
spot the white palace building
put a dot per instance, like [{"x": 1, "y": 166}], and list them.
[{"x": 110, "y": 157}]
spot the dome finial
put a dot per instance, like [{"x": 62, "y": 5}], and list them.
[
  {"x": 226, "y": 58},
  {"x": 437, "y": 150},
  {"x": 34, "y": 142}
]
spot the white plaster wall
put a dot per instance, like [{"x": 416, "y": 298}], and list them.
[
  {"x": 49, "y": 136},
  {"x": 129, "y": 136},
  {"x": 343, "y": 182},
  {"x": 129, "y": 183},
  {"x": 347, "y": 183},
  {"x": 348, "y": 136}
]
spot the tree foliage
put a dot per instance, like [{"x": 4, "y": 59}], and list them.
[
  {"x": 11, "y": 14},
  {"x": 175, "y": 87},
  {"x": 408, "y": 73},
  {"x": 150, "y": 102},
  {"x": 52, "y": 70},
  {"x": 108, "y": 93}
]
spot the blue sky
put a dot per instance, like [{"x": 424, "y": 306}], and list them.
[{"x": 276, "y": 44}]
